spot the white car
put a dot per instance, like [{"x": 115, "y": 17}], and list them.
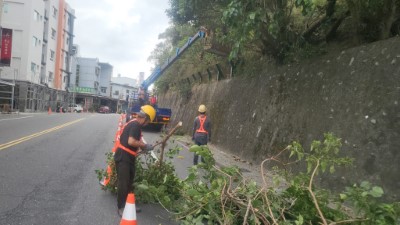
[{"x": 75, "y": 108}]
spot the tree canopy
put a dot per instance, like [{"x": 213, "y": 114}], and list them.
[{"x": 283, "y": 30}]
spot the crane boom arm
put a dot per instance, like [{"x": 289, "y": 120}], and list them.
[{"x": 159, "y": 70}]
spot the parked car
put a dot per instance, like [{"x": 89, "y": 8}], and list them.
[
  {"x": 104, "y": 109},
  {"x": 75, "y": 108}
]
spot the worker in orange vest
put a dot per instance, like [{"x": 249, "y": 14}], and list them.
[
  {"x": 127, "y": 150},
  {"x": 201, "y": 131}
]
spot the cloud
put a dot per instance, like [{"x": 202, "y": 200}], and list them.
[{"x": 122, "y": 33}]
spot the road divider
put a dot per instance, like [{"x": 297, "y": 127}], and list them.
[{"x": 26, "y": 138}]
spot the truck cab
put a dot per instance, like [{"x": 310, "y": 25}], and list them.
[{"x": 163, "y": 115}]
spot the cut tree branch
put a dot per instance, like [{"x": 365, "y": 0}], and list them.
[{"x": 163, "y": 143}]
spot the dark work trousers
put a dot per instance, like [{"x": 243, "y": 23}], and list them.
[{"x": 125, "y": 176}]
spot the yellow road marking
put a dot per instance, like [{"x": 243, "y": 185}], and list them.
[{"x": 26, "y": 138}]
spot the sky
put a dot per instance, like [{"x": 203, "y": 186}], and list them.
[{"x": 122, "y": 33}]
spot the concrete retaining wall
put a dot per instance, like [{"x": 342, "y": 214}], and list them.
[{"x": 354, "y": 93}]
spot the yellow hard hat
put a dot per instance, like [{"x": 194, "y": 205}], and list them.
[
  {"x": 150, "y": 111},
  {"x": 202, "y": 109}
]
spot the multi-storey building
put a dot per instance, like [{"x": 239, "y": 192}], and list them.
[
  {"x": 40, "y": 64},
  {"x": 91, "y": 84},
  {"x": 125, "y": 90}
]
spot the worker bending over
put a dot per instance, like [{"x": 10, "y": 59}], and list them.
[{"x": 125, "y": 156}]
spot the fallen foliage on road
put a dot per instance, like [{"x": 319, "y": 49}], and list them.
[{"x": 222, "y": 195}]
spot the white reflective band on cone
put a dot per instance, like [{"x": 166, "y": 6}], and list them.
[{"x": 129, "y": 212}]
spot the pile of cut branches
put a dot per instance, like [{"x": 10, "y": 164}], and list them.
[{"x": 214, "y": 195}]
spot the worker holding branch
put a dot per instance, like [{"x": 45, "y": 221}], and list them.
[
  {"x": 129, "y": 147},
  {"x": 201, "y": 131}
]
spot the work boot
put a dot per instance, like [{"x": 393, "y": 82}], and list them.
[{"x": 120, "y": 212}]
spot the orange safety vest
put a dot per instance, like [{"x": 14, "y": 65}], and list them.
[
  {"x": 119, "y": 145},
  {"x": 201, "y": 128}
]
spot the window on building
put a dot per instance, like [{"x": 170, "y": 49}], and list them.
[
  {"x": 35, "y": 41},
  {"x": 52, "y": 54},
  {"x": 54, "y": 12},
  {"x": 53, "y": 34},
  {"x": 103, "y": 90},
  {"x": 116, "y": 93},
  {"x": 5, "y": 7},
  {"x": 67, "y": 40},
  {"x": 33, "y": 67},
  {"x": 36, "y": 15},
  {"x": 51, "y": 76}
]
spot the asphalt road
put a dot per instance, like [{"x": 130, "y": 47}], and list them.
[{"x": 47, "y": 165}]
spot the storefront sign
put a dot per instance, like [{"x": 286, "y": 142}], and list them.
[{"x": 84, "y": 90}]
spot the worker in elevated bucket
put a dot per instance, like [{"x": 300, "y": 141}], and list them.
[
  {"x": 125, "y": 155},
  {"x": 201, "y": 131}
]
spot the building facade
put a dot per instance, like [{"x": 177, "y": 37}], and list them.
[
  {"x": 91, "y": 84},
  {"x": 40, "y": 64},
  {"x": 125, "y": 90},
  {"x": 44, "y": 71}
]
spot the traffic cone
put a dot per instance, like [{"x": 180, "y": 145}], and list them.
[
  {"x": 49, "y": 112},
  {"x": 129, "y": 215},
  {"x": 106, "y": 180}
]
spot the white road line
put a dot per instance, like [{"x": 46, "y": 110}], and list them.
[{"x": 16, "y": 118}]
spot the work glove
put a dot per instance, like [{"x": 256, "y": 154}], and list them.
[{"x": 148, "y": 147}]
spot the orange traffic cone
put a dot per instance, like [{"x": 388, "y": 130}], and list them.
[
  {"x": 106, "y": 180},
  {"x": 129, "y": 215},
  {"x": 49, "y": 112}
]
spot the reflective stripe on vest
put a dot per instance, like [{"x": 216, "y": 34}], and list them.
[
  {"x": 119, "y": 145},
  {"x": 127, "y": 149},
  {"x": 201, "y": 128}
]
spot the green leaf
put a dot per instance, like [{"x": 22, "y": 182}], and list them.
[
  {"x": 365, "y": 185},
  {"x": 300, "y": 220},
  {"x": 165, "y": 178},
  {"x": 252, "y": 15},
  {"x": 309, "y": 166},
  {"x": 376, "y": 192},
  {"x": 143, "y": 187},
  {"x": 323, "y": 166},
  {"x": 332, "y": 169},
  {"x": 195, "y": 148},
  {"x": 192, "y": 192},
  {"x": 343, "y": 196}
]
